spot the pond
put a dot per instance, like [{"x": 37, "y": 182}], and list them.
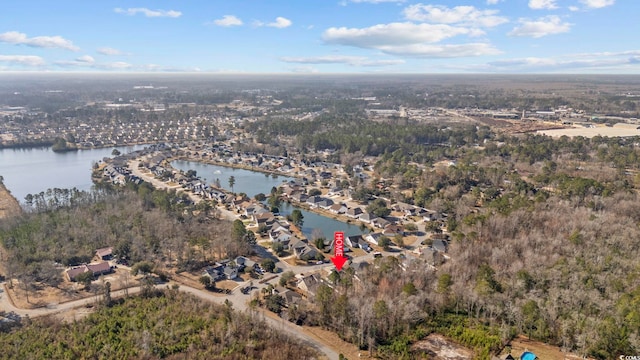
[{"x": 254, "y": 182}]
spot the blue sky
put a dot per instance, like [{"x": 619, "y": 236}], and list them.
[{"x": 321, "y": 36}]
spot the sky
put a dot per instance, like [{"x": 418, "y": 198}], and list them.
[{"x": 321, "y": 36}]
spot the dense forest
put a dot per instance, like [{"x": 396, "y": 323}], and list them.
[
  {"x": 163, "y": 324},
  {"x": 65, "y": 227},
  {"x": 544, "y": 237}
]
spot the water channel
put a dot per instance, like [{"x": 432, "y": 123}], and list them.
[{"x": 253, "y": 182}]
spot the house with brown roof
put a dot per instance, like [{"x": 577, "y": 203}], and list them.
[
  {"x": 96, "y": 269},
  {"x": 105, "y": 253}
]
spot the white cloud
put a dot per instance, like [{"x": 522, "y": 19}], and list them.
[
  {"x": 462, "y": 15},
  {"x": 441, "y": 50},
  {"x": 623, "y": 61},
  {"x": 18, "y": 38},
  {"x": 109, "y": 51},
  {"x": 342, "y": 59},
  {"x": 304, "y": 70},
  {"x": 493, "y": 2},
  {"x": 148, "y": 12},
  {"x": 394, "y": 34},
  {"x": 29, "y": 60},
  {"x": 117, "y": 65},
  {"x": 596, "y": 4},
  {"x": 410, "y": 39},
  {"x": 543, "y": 4},
  {"x": 574, "y": 8},
  {"x": 280, "y": 23},
  {"x": 548, "y": 25},
  {"x": 228, "y": 20},
  {"x": 86, "y": 59}
]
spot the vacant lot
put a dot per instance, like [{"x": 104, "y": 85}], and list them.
[{"x": 618, "y": 130}]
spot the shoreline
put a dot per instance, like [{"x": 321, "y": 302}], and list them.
[
  {"x": 28, "y": 146},
  {"x": 321, "y": 212}
]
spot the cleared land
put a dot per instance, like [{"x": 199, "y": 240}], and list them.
[{"x": 618, "y": 130}]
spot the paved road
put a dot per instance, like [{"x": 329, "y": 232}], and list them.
[
  {"x": 7, "y": 305},
  {"x": 238, "y": 300}
]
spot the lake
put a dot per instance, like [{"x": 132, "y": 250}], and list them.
[
  {"x": 254, "y": 182},
  {"x": 32, "y": 170}
]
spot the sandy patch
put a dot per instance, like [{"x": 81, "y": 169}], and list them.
[
  {"x": 438, "y": 347},
  {"x": 619, "y": 130}
]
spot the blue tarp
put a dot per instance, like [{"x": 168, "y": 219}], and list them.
[{"x": 528, "y": 356}]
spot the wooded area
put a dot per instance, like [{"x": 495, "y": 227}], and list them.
[
  {"x": 544, "y": 235},
  {"x": 165, "y": 324}
]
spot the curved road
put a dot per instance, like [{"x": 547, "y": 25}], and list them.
[{"x": 238, "y": 300}]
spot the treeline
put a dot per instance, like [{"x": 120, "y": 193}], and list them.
[
  {"x": 168, "y": 324},
  {"x": 351, "y": 133}
]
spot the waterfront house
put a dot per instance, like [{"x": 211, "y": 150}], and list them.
[
  {"x": 354, "y": 212},
  {"x": 367, "y": 217}
]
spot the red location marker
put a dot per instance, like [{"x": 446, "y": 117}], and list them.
[{"x": 338, "y": 247}]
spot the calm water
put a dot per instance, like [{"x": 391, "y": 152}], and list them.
[
  {"x": 248, "y": 182},
  {"x": 30, "y": 171},
  {"x": 253, "y": 182}
]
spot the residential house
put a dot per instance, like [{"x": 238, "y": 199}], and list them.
[
  {"x": 392, "y": 230},
  {"x": 354, "y": 212},
  {"x": 440, "y": 245},
  {"x": 367, "y": 217},
  {"x": 373, "y": 238},
  {"x": 380, "y": 222},
  {"x": 96, "y": 269},
  {"x": 314, "y": 200},
  {"x": 283, "y": 237},
  {"x": 325, "y": 203},
  {"x": 105, "y": 253},
  {"x": 297, "y": 246},
  {"x": 309, "y": 284},
  {"x": 215, "y": 272},
  {"x": 255, "y": 209},
  {"x": 230, "y": 272},
  {"x": 300, "y": 197},
  {"x": 245, "y": 263},
  {"x": 357, "y": 241},
  {"x": 338, "y": 208},
  {"x": 307, "y": 253}
]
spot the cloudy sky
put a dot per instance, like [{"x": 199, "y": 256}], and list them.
[{"x": 322, "y": 36}]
